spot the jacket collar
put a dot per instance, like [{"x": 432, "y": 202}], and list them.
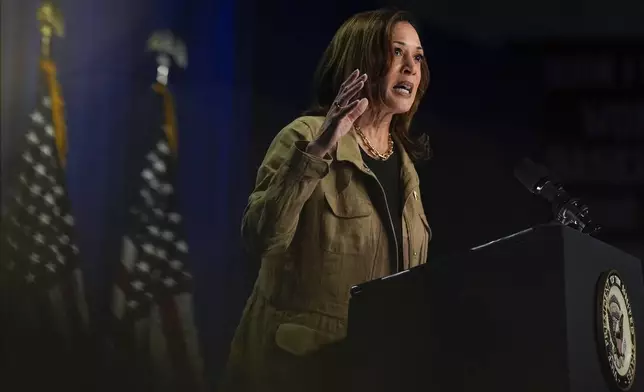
[{"x": 348, "y": 150}]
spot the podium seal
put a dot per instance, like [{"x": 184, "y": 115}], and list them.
[{"x": 616, "y": 327}]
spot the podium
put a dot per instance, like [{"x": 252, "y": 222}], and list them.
[{"x": 547, "y": 309}]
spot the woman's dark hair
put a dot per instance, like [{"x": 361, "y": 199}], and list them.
[{"x": 364, "y": 42}]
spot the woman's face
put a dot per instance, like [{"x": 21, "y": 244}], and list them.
[{"x": 403, "y": 79}]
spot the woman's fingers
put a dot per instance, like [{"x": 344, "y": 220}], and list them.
[
  {"x": 350, "y": 91},
  {"x": 344, "y": 112},
  {"x": 354, "y": 110},
  {"x": 350, "y": 79}
]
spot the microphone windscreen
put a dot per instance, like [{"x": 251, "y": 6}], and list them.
[{"x": 529, "y": 173}]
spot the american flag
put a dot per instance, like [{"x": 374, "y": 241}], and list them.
[
  {"x": 42, "y": 294},
  {"x": 152, "y": 301},
  {"x": 39, "y": 264}
]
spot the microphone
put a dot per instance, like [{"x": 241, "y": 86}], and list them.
[{"x": 568, "y": 211}]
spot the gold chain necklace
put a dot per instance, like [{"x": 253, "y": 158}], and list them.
[{"x": 372, "y": 149}]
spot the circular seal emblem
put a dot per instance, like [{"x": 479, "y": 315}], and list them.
[{"x": 616, "y": 330}]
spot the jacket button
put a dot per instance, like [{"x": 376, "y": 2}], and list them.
[{"x": 415, "y": 253}]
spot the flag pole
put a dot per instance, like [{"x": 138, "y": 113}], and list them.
[
  {"x": 169, "y": 49},
  {"x": 52, "y": 24}
]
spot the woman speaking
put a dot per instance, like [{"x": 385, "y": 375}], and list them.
[{"x": 336, "y": 203}]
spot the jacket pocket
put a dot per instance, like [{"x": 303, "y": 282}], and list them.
[
  {"x": 299, "y": 340},
  {"x": 307, "y": 333},
  {"x": 346, "y": 223}
]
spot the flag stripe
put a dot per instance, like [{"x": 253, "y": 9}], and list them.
[
  {"x": 81, "y": 300},
  {"x": 191, "y": 338},
  {"x": 173, "y": 331},
  {"x": 142, "y": 338},
  {"x": 72, "y": 311},
  {"x": 43, "y": 313},
  {"x": 160, "y": 352},
  {"x": 37, "y": 310},
  {"x": 59, "y": 312},
  {"x": 118, "y": 302},
  {"x": 129, "y": 255}
]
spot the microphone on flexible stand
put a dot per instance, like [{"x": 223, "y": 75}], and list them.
[{"x": 568, "y": 211}]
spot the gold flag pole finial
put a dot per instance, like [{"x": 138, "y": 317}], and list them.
[
  {"x": 51, "y": 24},
  {"x": 168, "y": 48}
]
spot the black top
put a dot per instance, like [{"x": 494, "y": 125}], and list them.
[{"x": 388, "y": 174}]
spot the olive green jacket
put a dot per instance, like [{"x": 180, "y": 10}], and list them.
[{"x": 312, "y": 223}]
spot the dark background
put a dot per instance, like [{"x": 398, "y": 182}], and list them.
[{"x": 559, "y": 81}]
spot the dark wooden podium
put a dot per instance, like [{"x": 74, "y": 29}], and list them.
[{"x": 518, "y": 314}]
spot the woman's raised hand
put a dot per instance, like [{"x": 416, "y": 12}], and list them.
[{"x": 343, "y": 113}]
